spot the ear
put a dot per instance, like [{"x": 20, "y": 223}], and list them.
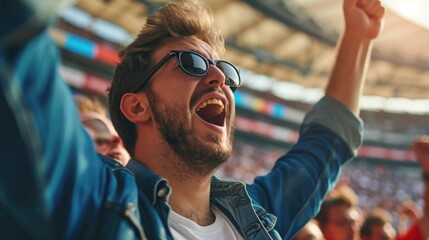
[{"x": 135, "y": 107}]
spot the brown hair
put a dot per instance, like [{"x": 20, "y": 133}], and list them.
[
  {"x": 174, "y": 21},
  {"x": 86, "y": 104},
  {"x": 334, "y": 199},
  {"x": 377, "y": 217}
]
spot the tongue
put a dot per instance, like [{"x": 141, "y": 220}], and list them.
[{"x": 208, "y": 114}]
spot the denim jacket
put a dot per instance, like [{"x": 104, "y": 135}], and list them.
[
  {"x": 54, "y": 186},
  {"x": 281, "y": 202}
]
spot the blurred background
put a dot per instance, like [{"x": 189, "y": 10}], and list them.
[{"x": 285, "y": 50}]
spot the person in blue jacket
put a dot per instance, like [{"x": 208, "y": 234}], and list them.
[{"x": 172, "y": 103}]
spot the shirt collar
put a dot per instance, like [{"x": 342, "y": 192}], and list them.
[{"x": 152, "y": 185}]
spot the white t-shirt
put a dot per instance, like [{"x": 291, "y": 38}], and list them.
[{"x": 185, "y": 229}]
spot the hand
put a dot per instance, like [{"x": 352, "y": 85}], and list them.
[
  {"x": 421, "y": 149},
  {"x": 363, "y": 17},
  {"x": 410, "y": 210}
]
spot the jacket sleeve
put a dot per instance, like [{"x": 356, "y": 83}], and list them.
[
  {"x": 51, "y": 178},
  {"x": 298, "y": 182}
]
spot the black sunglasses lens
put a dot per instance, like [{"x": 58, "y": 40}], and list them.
[
  {"x": 193, "y": 64},
  {"x": 232, "y": 77},
  {"x": 197, "y": 65}
]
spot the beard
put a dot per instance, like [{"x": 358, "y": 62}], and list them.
[{"x": 195, "y": 156}]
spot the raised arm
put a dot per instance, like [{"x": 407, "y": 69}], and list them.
[
  {"x": 408, "y": 213},
  {"x": 421, "y": 149},
  {"x": 363, "y": 23},
  {"x": 331, "y": 131},
  {"x": 51, "y": 177}
]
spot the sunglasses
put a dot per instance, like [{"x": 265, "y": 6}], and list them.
[{"x": 196, "y": 65}]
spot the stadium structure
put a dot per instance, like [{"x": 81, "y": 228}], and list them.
[{"x": 285, "y": 50}]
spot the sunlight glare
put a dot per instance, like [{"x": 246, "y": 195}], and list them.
[{"x": 413, "y": 10}]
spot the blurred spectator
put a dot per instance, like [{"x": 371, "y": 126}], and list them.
[
  {"x": 378, "y": 226},
  {"x": 87, "y": 104},
  {"x": 409, "y": 215},
  {"x": 408, "y": 227},
  {"x": 420, "y": 226},
  {"x": 339, "y": 217},
  {"x": 100, "y": 128}
]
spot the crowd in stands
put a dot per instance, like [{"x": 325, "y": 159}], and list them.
[
  {"x": 373, "y": 199},
  {"x": 249, "y": 160},
  {"x": 383, "y": 185},
  {"x": 395, "y": 122}
]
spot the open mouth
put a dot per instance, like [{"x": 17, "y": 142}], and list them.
[{"x": 212, "y": 111}]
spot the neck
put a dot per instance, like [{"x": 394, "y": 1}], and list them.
[
  {"x": 190, "y": 195},
  {"x": 191, "y": 199}
]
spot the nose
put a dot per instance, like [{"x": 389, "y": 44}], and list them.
[{"x": 215, "y": 77}]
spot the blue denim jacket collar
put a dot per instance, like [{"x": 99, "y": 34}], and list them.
[
  {"x": 231, "y": 197},
  {"x": 152, "y": 185}
]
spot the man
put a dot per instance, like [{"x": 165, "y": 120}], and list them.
[
  {"x": 100, "y": 128},
  {"x": 174, "y": 110},
  {"x": 106, "y": 140},
  {"x": 378, "y": 226},
  {"x": 339, "y": 216}
]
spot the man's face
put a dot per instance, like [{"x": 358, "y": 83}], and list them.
[
  {"x": 382, "y": 232},
  {"x": 195, "y": 115},
  {"x": 106, "y": 140},
  {"x": 342, "y": 223}
]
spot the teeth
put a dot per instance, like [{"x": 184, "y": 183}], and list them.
[
  {"x": 216, "y": 101},
  {"x": 219, "y": 110}
]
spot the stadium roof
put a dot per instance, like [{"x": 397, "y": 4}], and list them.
[{"x": 294, "y": 41}]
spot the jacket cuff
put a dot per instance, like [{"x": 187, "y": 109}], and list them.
[{"x": 338, "y": 118}]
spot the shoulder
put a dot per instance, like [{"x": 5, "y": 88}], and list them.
[
  {"x": 110, "y": 162},
  {"x": 116, "y": 167}
]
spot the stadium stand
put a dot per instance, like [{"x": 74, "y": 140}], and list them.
[{"x": 384, "y": 174}]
